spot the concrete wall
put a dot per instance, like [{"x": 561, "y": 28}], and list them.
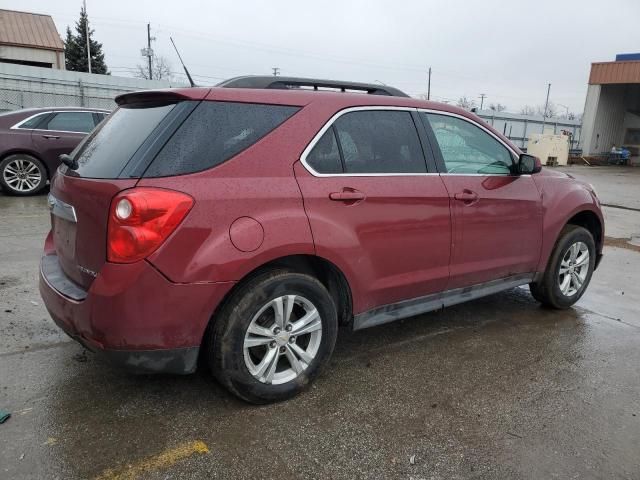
[
  {"x": 56, "y": 59},
  {"x": 23, "y": 86}
]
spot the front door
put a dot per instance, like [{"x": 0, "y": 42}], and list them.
[
  {"x": 497, "y": 216},
  {"x": 375, "y": 210}
]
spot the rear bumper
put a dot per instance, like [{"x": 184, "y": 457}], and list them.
[{"x": 133, "y": 315}]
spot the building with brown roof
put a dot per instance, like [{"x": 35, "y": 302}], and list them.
[
  {"x": 612, "y": 108},
  {"x": 30, "y": 39}
]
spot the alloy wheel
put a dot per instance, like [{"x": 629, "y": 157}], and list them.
[
  {"x": 283, "y": 339},
  {"x": 22, "y": 175},
  {"x": 574, "y": 268}
]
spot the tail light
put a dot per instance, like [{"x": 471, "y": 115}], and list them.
[{"x": 141, "y": 219}]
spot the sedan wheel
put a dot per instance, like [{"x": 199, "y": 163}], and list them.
[{"x": 22, "y": 175}]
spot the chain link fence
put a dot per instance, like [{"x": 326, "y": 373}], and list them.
[{"x": 27, "y": 87}]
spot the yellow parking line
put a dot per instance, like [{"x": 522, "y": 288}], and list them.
[{"x": 157, "y": 462}]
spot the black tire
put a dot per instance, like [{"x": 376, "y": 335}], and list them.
[
  {"x": 8, "y": 164},
  {"x": 547, "y": 290},
  {"x": 225, "y": 339}
]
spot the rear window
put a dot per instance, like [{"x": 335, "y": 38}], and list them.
[
  {"x": 107, "y": 151},
  {"x": 215, "y": 132}
]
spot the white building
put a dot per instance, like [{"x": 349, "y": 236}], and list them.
[{"x": 30, "y": 39}]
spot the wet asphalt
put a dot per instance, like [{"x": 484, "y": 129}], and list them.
[{"x": 495, "y": 388}]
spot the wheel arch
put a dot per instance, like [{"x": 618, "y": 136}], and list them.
[
  {"x": 320, "y": 268},
  {"x": 590, "y": 221}
]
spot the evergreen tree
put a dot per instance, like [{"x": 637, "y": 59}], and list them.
[{"x": 75, "y": 48}]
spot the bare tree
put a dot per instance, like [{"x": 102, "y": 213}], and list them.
[
  {"x": 160, "y": 67},
  {"x": 552, "y": 110},
  {"x": 466, "y": 103},
  {"x": 527, "y": 110},
  {"x": 497, "y": 107}
]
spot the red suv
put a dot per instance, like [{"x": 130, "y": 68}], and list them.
[{"x": 242, "y": 224}]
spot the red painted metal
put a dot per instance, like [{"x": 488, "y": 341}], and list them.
[{"x": 393, "y": 238}]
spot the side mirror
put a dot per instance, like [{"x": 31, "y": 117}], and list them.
[{"x": 528, "y": 164}]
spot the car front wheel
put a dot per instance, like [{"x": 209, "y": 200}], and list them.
[
  {"x": 273, "y": 336},
  {"x": 22, "y": 174},
  {"x": 569, "y": 270}
]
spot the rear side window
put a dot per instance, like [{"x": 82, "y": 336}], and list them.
[
  {"x": 110, "y": 147},
  {"x": 370, "y": 141},
  {"x": 33, "y": 121},
  {"x": 215, "y": 132},
  {"x": 325, "y": 156},
  {"x": 70, "y": 122}
]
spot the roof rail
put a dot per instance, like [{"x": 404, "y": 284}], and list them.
[{"x": 283, "y": 83}]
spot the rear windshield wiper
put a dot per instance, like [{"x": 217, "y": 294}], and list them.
[{"x": 69, "y": 161}]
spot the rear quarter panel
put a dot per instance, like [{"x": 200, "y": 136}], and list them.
[
  {"x": 562, "y": 198},
  {"x": 257, "y": 186}
]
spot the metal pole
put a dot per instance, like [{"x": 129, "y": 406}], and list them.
[
  {"x": 546, "y": 105},
  {"x": 149, "y": 50},
  {"x": 482, "y": 95},
  {"x": 429, "y": 86},
  {"x": 84, "y": 4},
  {"x": 276, "y": 71}
]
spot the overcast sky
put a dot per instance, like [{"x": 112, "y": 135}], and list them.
[{"x": 508, "y": 50}]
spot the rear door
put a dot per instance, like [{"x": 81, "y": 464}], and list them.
[
  {"x": 61, "y": 133},
  {"x": 497, "y": 216},
  {"x": 375, "y": 209}
]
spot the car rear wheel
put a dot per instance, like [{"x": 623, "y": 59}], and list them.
[
  {"x": 273, "y": 336},
  {"x": 569, "y": 271},
  {"x": 22, "y": 174}
]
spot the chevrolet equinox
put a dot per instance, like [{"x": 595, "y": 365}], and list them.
[{"x": 242, "y": 224}]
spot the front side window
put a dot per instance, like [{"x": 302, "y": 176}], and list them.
[
  {"x": 70, "y": 122},
  {"x": 380, "y": 141},
  {"x": 466, "y": 148}
]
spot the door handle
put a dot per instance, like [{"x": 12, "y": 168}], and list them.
[
  {"x": 347, "y": 195},
  {"x": 467, "y": 196},
  {"x": 51, "y": 137}
]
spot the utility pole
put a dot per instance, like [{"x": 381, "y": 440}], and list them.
[
  {"x": 482, "y": 96},
  {"x": 546, "y": 105},
  {"x": 276, "y": 71},
  {"x": 429, "y": 86},
  {"x": 149, "y": 51},
  {"x": 84, "y": 4}
]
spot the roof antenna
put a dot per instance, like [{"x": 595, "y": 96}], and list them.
[{"x": 191, "y": 82}]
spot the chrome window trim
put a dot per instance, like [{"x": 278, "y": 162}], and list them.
[
  {"x": 514, "y": 154},
  {"x": 17, "y": 125},
  {"x": 329, "y": 124},
  {"x": 332, "y": 120}
]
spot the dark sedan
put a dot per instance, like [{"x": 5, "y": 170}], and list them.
[{"x": 32, "y": 140}]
